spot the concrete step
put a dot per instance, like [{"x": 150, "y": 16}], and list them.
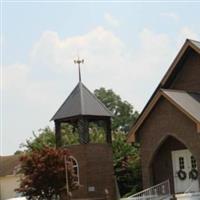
[
  {"x": 188, "y": 196},
  {"x": 90, "y": 199}
]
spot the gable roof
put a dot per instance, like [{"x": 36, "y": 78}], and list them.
[
  {"x": 81, "y": 102},
  {"x": 8, "y": 164},
  {"x": 188, "y": 102},
  {"x": 196, "y": 43},
  {"x": 173, "y": 69},
  {"x": 189, "y": 44}
]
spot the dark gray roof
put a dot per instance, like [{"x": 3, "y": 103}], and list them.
[
  {"x": 195, "y": 95},
  {"x": 81, "y": 102},
  {"x": 196, "y": 43},
  {"x": 188, "y": 101},
  {"x": 8, "y": 164}
]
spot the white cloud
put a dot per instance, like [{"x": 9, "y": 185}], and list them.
[
  {"x": 187, "y": 32},
  {"x": 170, "y": 15},
  {"x": 42, "y": 84},
  {"x": 111, "y": 20},
  {"x": 18, "y": 83},
  {"x": 96, "y": 47},
  {"x": 50, "y": 46},
  {"x": 15, "y": 76},
  {"x": 108, "y": 62}
]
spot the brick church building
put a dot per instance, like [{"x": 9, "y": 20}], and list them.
[{"x": 168, "y": 128}]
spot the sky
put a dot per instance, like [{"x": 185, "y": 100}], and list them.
[{"x": 126, "y": 46}]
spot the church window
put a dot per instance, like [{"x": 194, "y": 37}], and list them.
[
  {"x": 181, "y": 163},
  {"x": 75, "y": 167},
  {"x": 193, "y": 162}
]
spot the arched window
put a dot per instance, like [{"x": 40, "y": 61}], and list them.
[{"x": 74, "y": 163}]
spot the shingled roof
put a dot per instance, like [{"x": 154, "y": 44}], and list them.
[
  {"x": 8, "y": 164},
  {"x": 196, "y": 43},
  {"x": 81, "y": 102},
  {"x": 189, "y": 102}
]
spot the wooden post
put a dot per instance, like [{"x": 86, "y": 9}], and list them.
[
  {"x": 58, "y": 134},
  {"x": 83, "y": 130},
  {"x": 108, "y": 131},
  {"x": 198, "y": 128}
]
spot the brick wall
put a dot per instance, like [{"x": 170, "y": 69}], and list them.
[
  {"x": 96, "y": 170},
  {"x": 189, "y": 76},
  {"x": 165, "y": 120}
]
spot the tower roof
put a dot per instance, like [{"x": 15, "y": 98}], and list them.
[{"x": 81, "y": 102}]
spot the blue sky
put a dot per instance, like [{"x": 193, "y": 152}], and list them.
[{"x": 126, "y": 46}]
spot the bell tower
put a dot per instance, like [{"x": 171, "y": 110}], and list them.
[{"x": 95, "y": 160}]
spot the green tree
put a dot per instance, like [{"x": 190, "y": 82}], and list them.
[
  {"x": 126, "y": 161},
  {"x": 124, "y": 114},
  {"x": 46, "y": 137}
]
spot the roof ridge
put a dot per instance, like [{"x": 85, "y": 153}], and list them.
[
  {"x": 194, "y": 43},
  {"x": 174, "y": 90},
  {"x": 65, "y": 101},
  {"x": 95, "y": 98},
  {"x": 182, "y": 91},
  {"x": 81, "y": 97},
  {"x": 191, "y": 40},
  {"x": 81, "y": 102},
  {"x": 195, "y": 92},
  {"x": 184, "y": 101}
]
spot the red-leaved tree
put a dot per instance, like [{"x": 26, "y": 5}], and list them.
[{"x": 44, "y": 174}]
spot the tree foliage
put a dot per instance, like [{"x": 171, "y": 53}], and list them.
[
  {"x": 46, "y": 137},
  {"x": 44, "y": 174},
  {"x": 123, "y": 112},
  {"x": 126, "y": 161}
]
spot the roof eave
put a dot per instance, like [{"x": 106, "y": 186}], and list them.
[
  {"x": 182, "y": 109},
  {"x": 132, "y": 133}
]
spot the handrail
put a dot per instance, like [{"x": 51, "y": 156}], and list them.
[
  {"x": 150, "y": 188},
  {"x": 160, "y": 191}
]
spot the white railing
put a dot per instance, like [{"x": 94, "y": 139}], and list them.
[{"x": 160, "y": 191}]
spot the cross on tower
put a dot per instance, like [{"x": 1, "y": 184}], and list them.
[{"x": 78, "y": 61}]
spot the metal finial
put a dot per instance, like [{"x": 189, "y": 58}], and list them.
[{"x": 78, "y": 61}]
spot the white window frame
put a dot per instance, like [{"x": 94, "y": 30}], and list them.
[{"x": 74, "y": 160}]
